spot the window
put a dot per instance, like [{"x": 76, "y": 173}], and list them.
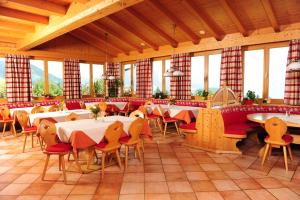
[
  {"x": 55, "y": 76},
  {"x": 97, "y": 81},
  {"x": 134, "y": 78},
  {"x": 157, "y": 76},
  {"x": 127, "y": 78},
  {"x": 85, "y": 78},
  {"x": 2, "y": 78},
  {"x": 37, "y": 77},
  {"x": 253, "y": 72},
  {"x": 197, "y": 74},
  {"x": 277, "y": 68},
  {"x": 167, "y": 79},
  {"x": 214, "y": 66}
]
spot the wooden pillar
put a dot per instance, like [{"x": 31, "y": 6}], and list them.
[
  {"x": 163, "y": 77},
  {"x": 92, "y": 93},
  {"x": 266, "y": 73},
  {"x": 46, "y": 77},
  {"x": 206, "y": 64}
]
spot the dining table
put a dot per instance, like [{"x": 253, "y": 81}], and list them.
[
  {"x": 117, "y": 105},
  {"x": 27, "y": 109}
]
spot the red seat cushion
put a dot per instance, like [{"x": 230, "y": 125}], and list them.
[
  {"x": 31, "y": 129},
  {"x": 10, "y": 119},
  {"x": 238, "y": 129},
  {"x": 59, "y": 148},
  {"x": 73, "y": 105},
  {"x": 171, "y": 119},
  {"x": 286, "y": 138},
  {"x": 101, "y": 145},
  {"x": 191, "y": 126},
  {"x": 152, "y": 116},
  {"x": 125, "y": 139}
]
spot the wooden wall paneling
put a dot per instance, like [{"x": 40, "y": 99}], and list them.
[
  {"x": 266, "y": 73},
  {"x": 206, "y": 65}
]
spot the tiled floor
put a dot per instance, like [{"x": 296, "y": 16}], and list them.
[{"x": 169, "y": 171}]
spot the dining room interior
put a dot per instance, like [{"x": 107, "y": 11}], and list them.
[{"x": 149, "y": 99}]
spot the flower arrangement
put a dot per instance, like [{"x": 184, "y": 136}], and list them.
[
  {"x": 95, "y": 110},
  {"x": 61, "y": 105},
  {"x": 172, "y": 101},
  {"x": 106, "y": 98}
]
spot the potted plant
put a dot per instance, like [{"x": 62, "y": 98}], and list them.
[
  {"x": 98, "y": 87},
  {"x": 250, "y": 98},
  {"x": 95, "y": 110},
  {"x": 202, "y": 94},
  {"x": 114, "y": 89},
  {"x": 48, "y": 96}
]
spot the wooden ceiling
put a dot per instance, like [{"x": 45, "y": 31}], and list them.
[{"x": 140, "y": 24}]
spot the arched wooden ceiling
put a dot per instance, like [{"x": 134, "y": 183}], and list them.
[{"x": 142, "y": 24}]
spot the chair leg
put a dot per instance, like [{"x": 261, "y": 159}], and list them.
[
  {"x": 31, "y": 140},
  {"x": 40, "y": 142},
  {"x": 285, "y": 159},
  {"x": 4, "y": 127},
  {"x": 102, "y": 164},
  {"x": 143, "y": 145},
  {"x": 137, "y": 147},
  {"x": 290, "y": 152},
  {"x": 24, "y": 143},
  {"x": 91, "y": 157},
  {"x": 159, "y": 124},
  {"x": 59, "y": 163},
  {"x": 45, "y": 167},
  {"x": 62, "y": 160},
  {"x": 265, "y": 154},
  {"x": 177, "y": 128},
  {"x": 14, "y": 129},
  {"x": 75, "y": 155},
  {"x": 165, "y": 129},
  {"x": 270, "y": 151},
  {"x": 126, "y": 157},
  {"x": 118, "y": 158}
]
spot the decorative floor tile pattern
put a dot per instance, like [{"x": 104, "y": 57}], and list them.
[{"x": 168, "y": 171}]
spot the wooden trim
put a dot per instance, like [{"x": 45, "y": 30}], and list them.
[
  {"x": 91, "y": 81},
  {"x": 266, "y": 73},
  {"x": 163, "y": 68},
  {"x": 46, "y": 77},
  {"x": 206, "y": 65},
  {"x": 271, "y": 14}
]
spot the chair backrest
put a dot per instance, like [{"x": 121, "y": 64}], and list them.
[
  {"x": 135, "y": 114},
  {"x": 72, "y": 117},
  {"x": 113, "y": 133},
  {"x": 23, "y": 118},
  {"x": 53, "y": 108},
  {"x": 276, "y": 128},
  {"x": 135, "y": 129},
  {"x": 38, "y": 109},
  {"x": 82, "y": 105},
  {"x": 47, "y": 131},
  {"x": 149, "y": 103},
  {"x": 102, "y": 106},
  {"x": 4, "y": 112}
]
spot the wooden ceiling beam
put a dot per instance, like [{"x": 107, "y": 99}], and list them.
[
  {"x": 271, "y": 14},
  {"x": 8, "y": 25},
  {"x": 225, "y": 5},
  {"x": 9, "y": 39},
  {"x": 85, "y": 37},
  {"x": 15, "y": 34},
  {"x": 206, "y": 20},
  {"x": 78, "y": 15},
  {"x": 194, "y": 37},
  {"x": 43, "y": 5},
  {"x": 8, "y": 12},
  {"x": 132, "y": 30},
  {"x": 117, "y": 35},
  {"x": 92, "y": 29},
  {"x": 153, "y": 27}
]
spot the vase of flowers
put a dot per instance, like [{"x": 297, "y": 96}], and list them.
[
  {"x": 95, "y": 110},
  {"x": 172, "y": 101}
]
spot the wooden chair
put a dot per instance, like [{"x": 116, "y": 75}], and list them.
[
  {"x": 276, "y": 128},
  {"x": 27, "y": 129},
  {"x": 103, "y": 108},
  {"x": 126, "y": 110},
  {"x": 133, "y": 139},
  {"x": 136, "y": 114},
  {"x": 166, "y": 119},
  {"x": 82, "y": 105},
  {"x": 5, "y": 118},
  {"x": 38, "y": 109},
  {"x": 110, "y": 145},
  {"x": 72, "y": 117},
  {"x": 151, "y": 117},
  {"x": 53, "y": 108},
  {"x": 47, "y": 131}
]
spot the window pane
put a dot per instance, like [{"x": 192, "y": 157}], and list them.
[
  {"x": 37, "y": 77},
  {"x": 2, "y": 78},
  {"x": 253, "y": 73},
  {"x": 277, "y": 67},
  {"x": 197, "y": 74},
  {"x": 85, "y": 78},
  {"x": 214, "y": 66},
  {"x": 157, "y": 76},
  {"x": 55, "y": 76},
  {"x": 127, "y": 78},
  {"x": 134, "y": 78},
  {"x": 97, "y": 81},
  {"x": 167, "y": 79}
]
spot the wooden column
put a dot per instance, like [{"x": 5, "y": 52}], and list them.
[
  {"x": 92, "y": 93},
  {"x": 206, "y": 64},
  {"x": 46, "y": 79},
  {"x": 266, "y": 73}
]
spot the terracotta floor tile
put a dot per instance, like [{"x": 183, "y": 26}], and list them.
[
  {"x": 284, "y": 194},
  {"x": 134, "y": 177},
  {"x": 234, "y": 195},
  {"x": 179, "y": 187},
  {"x": 269, "y": 183},
  {"x": 187, "y": 161},
  {"x": 247, "y": 184},
  {"x": 172, "y": 168},
  {"x": 154, "y": 177},
  {"x": 153, "y": 168},
  {"x": 60, "y": 188},
  {"x": 84, "y": 189},
  {"x": 157, "y": 197},
  {"x": 27, "y": 178},
  {"x": 177, "y": 176},
  {"x": 152, "y": 161},
  {"x": 203, "y": 186},
  {"x": 209, "y": 195},
  {"x": 135, "y": 168},
  {"x": 184, "y": 155},
  {"x": 183, "y": 196},
  {"x": 106, "y": 197},
  {"x": 29, "y": 197},
  {"x": 80, "y": 197},
  {"x": 225, "y": 185},
  {"x": 196, "y": 176},
  {"x": 131, "y": 197},
  {"x": 236, "y": 174},
  {"x": 167, "y": 155},
  {"x": 37, "y": 189},
  {"x": 156, "y": 187},
  {"x": 109, "y": 188},
  {"x": 191, "y": 168},
  {"x": 217, "y": 175},
  {"x": 222, "y": 160},
  {"x": 8, "y": 178},
  {"x": 229, "y": 167},
  {"x": 260, "y": 194},
  {"x": 151, "y": 155},
  {"x": 170, "y": 161},
  {"x": 14, "y": 189},
  {"x": 8, "y": 197},
  {"x": 132, "y": 188},
  {"x": 206, "y": 160},
  {"x": 210, "y": 167},
  {"x": 54, "y": 197}
]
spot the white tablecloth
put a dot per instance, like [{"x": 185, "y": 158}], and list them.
[
  {"x": 27, "y": 109},
  {"x": 174, "y": 109},
  {"x": 94, "y": 129},
  {"x": 120, "y": 105},
  {"x": 60, "y": 115}
]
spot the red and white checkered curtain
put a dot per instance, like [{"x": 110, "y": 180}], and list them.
[
  {"x": 72, "y": 84},
  {"x": 292, "y": 78},
  {"x": 144, "y": 78},
  {"x": 112, "y": 69},
  {"x": 181, "y": 85},
  {"x": 18, "y": 78},
  {"x": 232, "y": 70}
]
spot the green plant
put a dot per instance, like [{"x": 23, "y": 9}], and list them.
[
  {"x": 201, "y": 93},
  {"x": 114, "y": 87},
  {"x": 95, "y": 110},
  {"x": 38, "y": 88},
  {"x": 99, "y": 87},
  {"x": 2, "y": 88},
  {"x": 250, "y": 95}
]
